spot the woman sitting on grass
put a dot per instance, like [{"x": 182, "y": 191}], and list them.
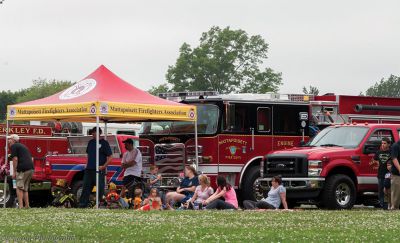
[
  {"x": 225, "y": 191},
  {"x": 276, "y": 196},
  {"x": 203, "y": 192},
  {"x": 186, "y": 189}
]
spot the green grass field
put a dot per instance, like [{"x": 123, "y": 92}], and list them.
[{"x": 53, "y": 224}]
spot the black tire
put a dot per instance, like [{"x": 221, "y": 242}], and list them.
[
  {"x": 339, "y": 192},
  {"x": 77, "y": 190},
  {"x": 320, "y": 204},
  {"x": 248, "y": 190}
]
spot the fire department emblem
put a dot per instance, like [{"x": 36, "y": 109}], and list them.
[
  {"x": 13, "y": 112},
  {"x": 233, "y": 150},
  {"x": 104, "y": 108},
  {"x": 81, "y": 88},
  {"x": 191, "y": 114},
  {"x": 93, "y": 109}
]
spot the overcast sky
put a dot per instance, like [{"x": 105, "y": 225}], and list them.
[{"x": 339, "y": 46}]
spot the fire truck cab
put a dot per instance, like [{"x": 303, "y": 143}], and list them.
[{"x": 234, "y": 134}]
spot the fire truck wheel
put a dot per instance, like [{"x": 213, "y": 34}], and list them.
[
  {"x": 251, "y": 188},
  {"x": 11, "y": 197},
  {"x": 339, "y": 193},
  {"x": 77, "y": 189}
]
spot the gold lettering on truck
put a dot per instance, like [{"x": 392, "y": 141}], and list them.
[{"x": 286, "y": 143}]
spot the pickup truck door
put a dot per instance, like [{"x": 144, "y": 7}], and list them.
[{"x": 368, "y": 169}]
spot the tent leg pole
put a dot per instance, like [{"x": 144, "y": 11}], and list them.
[
  {"x": 5, "y": 164},
  {"x": 105, "y": 138},
  {"x": 97, "y": 161},
  {"x": 105, "y": 130},
  {"x": 196, "y": 145}
]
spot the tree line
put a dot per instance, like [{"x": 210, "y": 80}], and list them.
[{"x": 40, "y": 88}]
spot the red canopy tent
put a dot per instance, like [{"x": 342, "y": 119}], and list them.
[
  {"x": 105, "y": 95},
  {"x": 102, "y": 96}
]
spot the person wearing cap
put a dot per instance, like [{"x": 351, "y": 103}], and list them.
[
  {"x": 23, "y": 169},
  {"x": 132, "y": 163},
  {"x": 89, "y": 176}
]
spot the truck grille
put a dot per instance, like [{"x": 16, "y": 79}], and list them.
[{"x": 285, "y": 165}]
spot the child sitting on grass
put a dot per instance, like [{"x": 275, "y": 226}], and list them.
[
  {"x": 155, "y": 182},
  {"x": 153, "y": 202},
  {"x": 137, "y": 201}
]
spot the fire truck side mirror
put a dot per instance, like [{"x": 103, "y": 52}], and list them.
[{"x": 370, "y": 149}]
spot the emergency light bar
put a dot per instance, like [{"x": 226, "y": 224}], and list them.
[
  {"x": 187, "y": 94},
  {"x": 179, "y": 96},
  {"x": 261, "y": 97}
]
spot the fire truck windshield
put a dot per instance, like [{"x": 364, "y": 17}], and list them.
[
  {"x": 343, "y": 136},
  {"x": 207, "y": 123}
]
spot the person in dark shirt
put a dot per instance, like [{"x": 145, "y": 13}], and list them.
[
  {"x": 22, "y": 169},
  {"x": 395, "y": 181},
  {"x": 89, "y": 177},
  {"x": 381, "y": 157},
  {"x": 186, "y": 189}
]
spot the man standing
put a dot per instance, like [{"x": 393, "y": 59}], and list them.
[
  {"x": 89, "y": 177},
  {"x": 381, "y": 157},
  {"x": 23, "y": 169},
  {"x": 132, "y": 163},
  {"x": 395, "y": 182}
]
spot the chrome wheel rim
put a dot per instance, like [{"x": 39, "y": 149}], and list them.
[
  {"x": 259, "y": 189},
  {"x": 2, "y": 195},
  {"x": 343, "y": 194}
]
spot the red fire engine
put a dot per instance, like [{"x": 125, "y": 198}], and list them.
[
  {"x": 338, "y": 109},
  {"x": 234, "y": 134},
  {"x": 41, "y": 143}
]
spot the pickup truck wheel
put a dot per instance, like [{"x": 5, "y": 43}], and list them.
[
  {"x": 77, "y": 190},
  {"x": 339, "y": 193},
  {"x": 252, "y": 188},
  {"x": 11, "y": 197}
]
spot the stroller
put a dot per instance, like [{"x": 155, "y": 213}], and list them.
[{"x": 113, "y": 200}]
